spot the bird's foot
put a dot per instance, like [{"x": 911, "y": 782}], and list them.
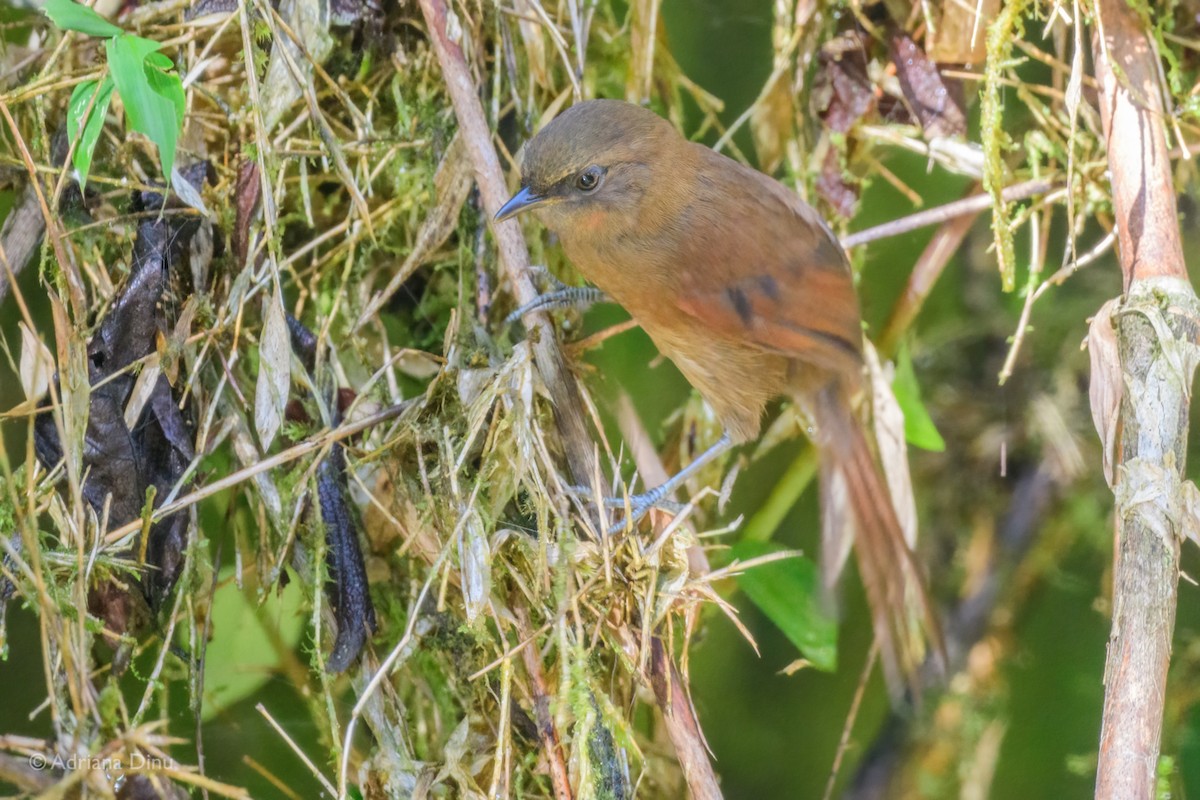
[
  {"x": 639, "y": 504},
  {"x": 636, "y": 506},
  {"x": 556, "y": 295}
]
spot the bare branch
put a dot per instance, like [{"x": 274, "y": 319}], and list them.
[
  {"x": 682, "y": 725},
  {"x": 1155, "y": 326},
  {"x": 939, "y": 214},
  {"x": 547, "y": 730}
]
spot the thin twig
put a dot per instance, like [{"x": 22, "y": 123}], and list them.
[
  {"x": 53, "y": 229},
  {"x": 260, "y": 708},
  {"x": 940, "y": 214},
  {"x": 682, "y": 725},
  {"x": 277, "y": 460},
  {"x": 547, "y": 731},
  {"x": 851, "y": 716},
  {"x": 929, "y": 266}
]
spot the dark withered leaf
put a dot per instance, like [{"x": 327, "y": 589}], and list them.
[
  {"x": 129, "y": 331},
  {"x": 122, "y": 463},
  {"x": 842, "y": 93},
  {"x": 119, "y": 609},
  {"x": 249, "y": 192},
  {"x": 349, "y": 593},
  {"x": 835, "y": 187},
  {"x": 523, "y": 724},
  {"x": 110, "y": 453},
  {"x": 175, "y": 428},
  {"x": 610, "y": 780},
  {"x": 936, "y": 102},
  {"x": 304, "y": 343}
]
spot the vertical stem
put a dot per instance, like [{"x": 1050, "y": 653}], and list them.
[
  {"x": 682, "y": 725},
  {"x": 1154, "y": 325}
]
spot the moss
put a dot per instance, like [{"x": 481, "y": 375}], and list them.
[{"x": 1008, "y": 26}]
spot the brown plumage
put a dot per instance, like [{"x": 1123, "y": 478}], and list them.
[{"x": 742, "y": 285}]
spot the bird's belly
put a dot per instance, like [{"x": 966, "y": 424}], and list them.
[{"x": 736, "y": 380}]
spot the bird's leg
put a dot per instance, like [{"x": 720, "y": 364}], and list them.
[
  {"x": 639, "y": 504},
  {"x": 558, "y": 296}
]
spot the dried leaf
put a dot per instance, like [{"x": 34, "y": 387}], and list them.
[
  {"x": 1106, "y": 385},
  {"x": 310, "y": 23},
  {"x": 188, "y": 192},
  {"x": 136, "y": 437},
  {"x": 961, "y": 33},
  {"x": 891, "y": 440},
  {"x": 37, "y": 365},
  {"x": 475, "y": 565},
  {"x": 143, "y": 387},
  {"x": 248, "y": 193},
  {"x": 534, "y": 40},
  {"x": 1191, "y": 511},
  {"x": 772, "y": 123},
  {"x": 274, "y": 370},
  {"x": 836, "y": 187},
  {"x": 842, "y": 91},
  {"x": 936, "y": 102}
]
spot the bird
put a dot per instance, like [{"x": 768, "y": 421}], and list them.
[{"x": 745, "y": 288}]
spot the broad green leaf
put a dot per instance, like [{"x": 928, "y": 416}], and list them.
[
  {"x": 168, "y": 86},
  {"x": 85, "y": 144},
  {"x": 253, "y": 634},
  {"x": 71, "y": 16},
  {"x": 789, "y": 592},
  {"x": 160, "y": 59},
  {"x": 153, "y": 100},
  {"x": 919, "y": 429}
]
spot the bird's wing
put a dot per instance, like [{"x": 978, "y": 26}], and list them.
[{"x": 782, "y": 281}]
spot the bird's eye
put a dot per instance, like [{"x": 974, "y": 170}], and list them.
[{"x": 589, "y": 179}]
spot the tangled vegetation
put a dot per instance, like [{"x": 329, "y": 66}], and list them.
[{"x": 274, "y": 409}]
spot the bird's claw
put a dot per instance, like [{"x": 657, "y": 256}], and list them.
[
  {"x": 556, "y": 295},
  {"x": 637, "y": 505}
]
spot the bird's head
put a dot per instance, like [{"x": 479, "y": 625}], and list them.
[{"x": 592, "y": 167}]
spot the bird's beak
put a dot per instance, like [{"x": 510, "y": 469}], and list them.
[{"x": 521, "y": 201}]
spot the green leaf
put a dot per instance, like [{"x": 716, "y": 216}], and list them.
[
  {"x": 71, "y": 16},
  {"x": 253, "y": 634},
  {"x": 153, "y": 99},
  {"x": 85, "y": 145},
  {"x": 160, "y": 60},
  {"x": 788, "y": 591},
  {"x": 919, "y": 429},
  {"x": 168, "y": 86}
]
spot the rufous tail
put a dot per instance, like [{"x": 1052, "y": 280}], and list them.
[{"x": 895, "y": 586}]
